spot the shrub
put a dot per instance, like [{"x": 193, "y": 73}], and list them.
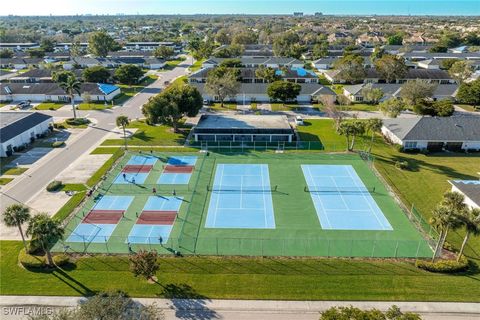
[
  {"x": 31, "y": 261},
  {"x": 403, "y": 165},
  {"x": 61, "y": 260},
  {"x": 59, "y": 126},
  {"x": 34, "y": 247},
  {"x": 54, "y": 186},
  {"x": 77, "y": 121},
  {"x": 443, "y": 266},
  {"x": 58, "y": 144}
]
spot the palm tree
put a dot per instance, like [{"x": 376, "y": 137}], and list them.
[
  {"x": 45, "y": 231},
  {"x": 373, "y": 126},
  {"x": 443, "y": 219},
  {"x": 14, "y": 216},
  {"x": 123, "y": 122},
  {"x": 471, "y": 220},
  {"x": 71, "y": 86},
  {"x": 454, "y": 201}
]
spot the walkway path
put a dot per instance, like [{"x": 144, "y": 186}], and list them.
[{"x": 250, "y": 309}]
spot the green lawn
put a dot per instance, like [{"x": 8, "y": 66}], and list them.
[
  {"x": 15, "y": 171},
  {"x": 338, "y": 88},
  {"x": 281, "y": 107},
  {"x": 322, "y": 132},
  {"x": 171, "y": 64},
  {"x": 50, "y": 105},
  {"x": 3, "y": 104},
  {"x": 469, "y": 107},
  {"x": 147, "y": 135},
  {"x": 359, "y": 107},
  {"x": 235, "y": 277},
  {"x": 130, "y": 91},
  {"x": 196, "y": 65},
  {"x": 94, "y": 106},
  {"x": 226, "y": 106},
  {"x": 4, "y": 181}
]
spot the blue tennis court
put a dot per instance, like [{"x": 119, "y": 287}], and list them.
[
  {"x": 160, "y": 203},
  {"x": 138, "y": 160},
  {"x": 86, "y": 232},
  {"x": 174, "y": 178},
  {"x": 182, "y": 161},
  {"x": 241, "y": 197},
  {"x": 149, "y": 234},
  {"x": 139, "y": 177},
  {"x": 341, "y": 199},
  {"x": 113, "y": 203}
]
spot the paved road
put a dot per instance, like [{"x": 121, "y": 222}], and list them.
[
  {"x": 12, "y": 307},
  {"x": 39, "y": 175}
]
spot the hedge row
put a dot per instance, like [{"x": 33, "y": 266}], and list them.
[{"x": 443, "y": 266}]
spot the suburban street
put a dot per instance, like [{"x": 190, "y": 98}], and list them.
[{"x": 46, "y": 169}]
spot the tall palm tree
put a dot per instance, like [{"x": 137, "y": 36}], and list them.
[
  {"x": 454, "y": 201},
  {"x": 122, "y": 121},
  {"x": 14, "y": 216},
  {"x": 443, "y": 219},
  {"x": 471, "y": 220},
  {"x": 71, "y": 86},
  {"x": 45, "y": 231},
  {"x": 373, "y": 126}
]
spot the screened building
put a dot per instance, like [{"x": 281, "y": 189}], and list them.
[{"x": 243, "y": 128}]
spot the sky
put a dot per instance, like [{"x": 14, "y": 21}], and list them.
[{"x": 338, "y": 7}]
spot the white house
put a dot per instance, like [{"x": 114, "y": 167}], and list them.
[
  {"x": 20, "y": 128},
  {"x": 456, "y": 133},
  {"x": 470, "y": 189}
]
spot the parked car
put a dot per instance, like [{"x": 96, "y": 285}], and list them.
[
  {"x": 299, "y": 121},
  {"x": 166, "y": 83},
  {"x": 24, "y": 104}
]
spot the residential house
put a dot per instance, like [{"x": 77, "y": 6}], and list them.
[
  {"x": 19, "y": 46},
  {"x": 255, "y": 62},
  {"x": 456, "y": 133},
  {"x": 470, "y": 190}
]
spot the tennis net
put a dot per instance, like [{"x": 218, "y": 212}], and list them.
[
  {"x": 244, "y": 189},
  {"x": 339, "y": 189}
]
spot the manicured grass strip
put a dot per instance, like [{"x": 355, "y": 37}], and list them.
[
  {"x": 73, "y": 187},
  {"x": 97, "y": 176},
  {"x": 226, "y": 106},
  {"x": 196, "y": 65},
  {"x": 105, "y": 150},
  {"x": 242, "y": 278},
  {"x": 50, "y": 106},
  {"x": 468, "y": 107},
  {"x": 15, "y": 171},
  {"x": 148, "y": 135},
  {"x": 4, "y": 181},
  {"x": 94, "y": 106},
  {"x": 71, "y": 204}
]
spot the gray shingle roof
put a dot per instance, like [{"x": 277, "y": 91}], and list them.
[
  {"x": 261, "y": 88},
  {"x": 456, "y": 128},
  {"x": 15, "y": 123},
  {"x": 470, "y": 188}
]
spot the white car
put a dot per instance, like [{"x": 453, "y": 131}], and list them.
[{"x": 299, "y": 121}]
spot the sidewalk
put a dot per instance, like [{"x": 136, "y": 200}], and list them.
[{"x": 263, "y": 309}]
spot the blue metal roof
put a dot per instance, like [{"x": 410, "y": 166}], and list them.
[{"x": 107, "y": 88}]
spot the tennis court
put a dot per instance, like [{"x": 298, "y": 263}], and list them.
[
  {"x": 241, "y": 197},
  {"x": 113, "y": 203},
  {"x": 142, "y": 160},
  {"x": 149, "y": 234},
  {"x": 178, "y": 170},
  {"x": 182, "y": 161},
  {"x": 341, "y": 199},
  {"x": 130, "y": 177},
  {"x": 161, "y": 203},
  {"x": 87, "y": 232}
]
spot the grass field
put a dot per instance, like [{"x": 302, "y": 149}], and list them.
[
  {"x": 148, "y": 135},
  {"x": 226, "y": 106},
  {"x": 196, "y": 65},
  {"x": 50, "y": 105},
  {"x": 4, "y": 181},
  {"x": 130, "y": 91}
]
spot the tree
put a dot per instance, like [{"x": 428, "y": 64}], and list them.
[
  {"x": 76, "y": 50},
  {"x": 144, "y": 263},
  {"x": 6, "y": 53},
  {"x": 438, "y": 49},
  {"x": 100, "y": 43},
  {"x": 222, "y": 83},
  {"x": 350, "y": 68},
  {"x": 244, "y": 37},
  {"x": 71, "y": 86},
  {"x": 47, "y": 45},
  {"x": 352, "y": 128},
  {"x": 320, "y": 50},
  {"x": 461, "y": 70},
  {"x": 287, "y": 45},
  {"x": 283, "y": 91},
  {"x": 470, "y": 219},
  {"x": 61, "y": 76},
  {"x": 446, "y": 64},
  {"x": 451, "y": 40},
  {"x": 395, "y": 40},
  {"x": 445, "y": 217},
  {"x": 97, "y": 74},
  {"x": 173, "y": 104},
  {"x": 392, "y": 107},
  {"x": 106, "y": 306},
  {"x": 391, "y": 67},
  {"x": 472, "y": 39},
  {"x": 231, "y": 63},
  {"x": 14, "y": 216},
  {"x": 441, "y": 108},
  {"x": 373, "y": 126},
  {"x": 469, "y": 93},
  {"x": 122, "y": 121},
  {"x": 129, "y": 74},
  {"x": 371, "y": 95},
  {"x": 203, "y": 51},
  {"x": 223, "y": 37},
  {"x": 415, "y": 91},
  {"x": 36, "y": 53},
  {"x": 332, "y": 111},
  {"x": 377, "y": 53},
  {"x": 267, "y": 74},
  {"x": 164, "y": 52},
  {"x": 352, "y": 313},
  {"x": 44, "y": 231}
]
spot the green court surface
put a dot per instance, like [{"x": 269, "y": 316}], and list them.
[{"x": 297, "y": 230}]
